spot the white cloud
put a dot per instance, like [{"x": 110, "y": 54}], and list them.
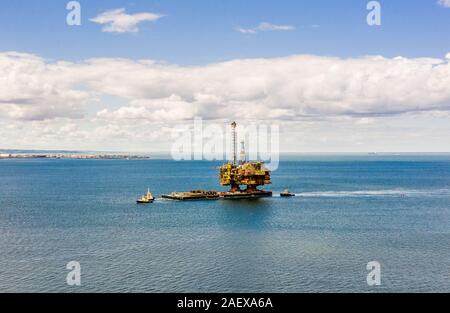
[
  {"x": 172, "y": 108},
  {"x": 444, "y": 3},
  {"x": 117, "y": 21},
  {"x": 264, "y": 27},
  {"x": 304, "y": 90},
  {"x": 279, "y": 88},
  {"x": 284, "y": 88},
  {"x": 33, "y": 89}
]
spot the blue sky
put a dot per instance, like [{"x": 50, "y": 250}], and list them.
[{"x": 204, "y": 31}]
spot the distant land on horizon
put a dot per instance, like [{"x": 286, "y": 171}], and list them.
[
  {"x": 57, "y": 151},
  {"x": 66, "y": 154},
  {"x": 167, "y": 154}
]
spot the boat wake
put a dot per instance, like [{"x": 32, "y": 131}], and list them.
[{"x": 374, "y": 193}]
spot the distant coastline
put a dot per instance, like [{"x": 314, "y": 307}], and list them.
[
  {"x": 121, "y": 155},
  {"x": 38, "y": 154}
]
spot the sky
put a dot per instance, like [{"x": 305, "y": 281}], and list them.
[{"x": 136, "y": 72}]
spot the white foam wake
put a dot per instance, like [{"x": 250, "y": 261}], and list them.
[{"x": 374, "y": 193}]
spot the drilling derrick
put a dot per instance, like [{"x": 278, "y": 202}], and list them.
[
  {"x": 234, "y": 141},
  {"x": 247, "y": 173}
]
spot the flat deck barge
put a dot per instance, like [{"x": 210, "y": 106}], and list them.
[
  {"x": 193, "y": 195},
  {"x": 214, "y": 195}
]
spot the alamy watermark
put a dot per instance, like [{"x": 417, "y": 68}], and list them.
[
  {"x": 214, "y": 142},
  {"x": 374, "y": 16},
  {"x": 73, "y": 278},
  {"x": 374, "y": 276},
  {"x": 73, "y": 18}
]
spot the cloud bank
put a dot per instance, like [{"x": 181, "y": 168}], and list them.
[
  {"x": 123, "y": 101},
  {"x": 279, "y": 88},
  {"x": 117, "y": 21}
]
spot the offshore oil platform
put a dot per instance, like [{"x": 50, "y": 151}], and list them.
[{"x": 244, "y": 178}]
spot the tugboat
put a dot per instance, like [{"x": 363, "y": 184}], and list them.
[
  {"x": 287, "y": 193},
  {"x": 147, "y": 198}
]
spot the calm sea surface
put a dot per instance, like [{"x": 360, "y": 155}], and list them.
[{"x": 349, "y": 211}]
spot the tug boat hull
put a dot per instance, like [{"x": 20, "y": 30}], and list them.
[{"x": 144, "y": 201}]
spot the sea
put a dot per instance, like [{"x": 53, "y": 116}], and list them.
[{"x": 349, "y": 210}]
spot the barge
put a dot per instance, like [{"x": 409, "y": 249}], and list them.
[
  {"x": 196, "y": 195},
  {"x": 193, "y": 195}
]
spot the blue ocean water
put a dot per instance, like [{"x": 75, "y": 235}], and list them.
[{"x": 349, "y": 210}]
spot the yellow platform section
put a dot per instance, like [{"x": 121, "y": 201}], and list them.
[{"x": 248, "y": 173}]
